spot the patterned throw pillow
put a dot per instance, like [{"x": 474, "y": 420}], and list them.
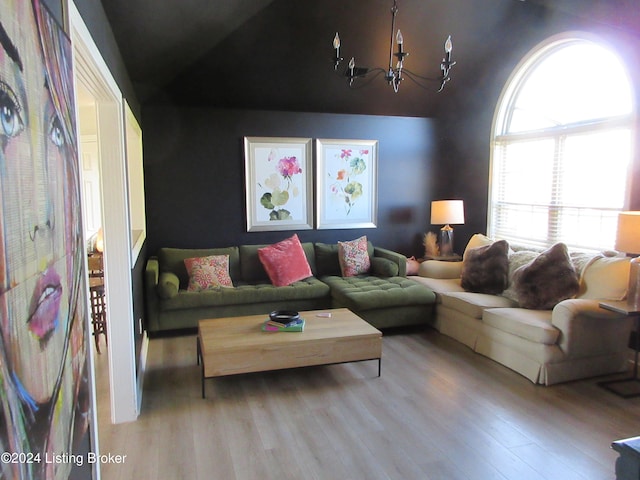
[
  {"x": 207, "y": 273},
  {"x": 353, "y": 256},
  {"x": 285, "y": 261}
]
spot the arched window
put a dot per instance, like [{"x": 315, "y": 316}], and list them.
[{"x": 562, "y": 147}]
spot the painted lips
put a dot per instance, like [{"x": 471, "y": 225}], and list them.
[{"x": 45, "y": 305}]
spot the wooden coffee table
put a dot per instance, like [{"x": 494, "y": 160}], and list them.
[{"x": 234, "y": 345}]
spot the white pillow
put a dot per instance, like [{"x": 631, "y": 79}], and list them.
[
  {"x": 607, "y": 278},
  {"x": 478, "y": 240}
]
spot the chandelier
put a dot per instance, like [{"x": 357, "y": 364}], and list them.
[{"x": 394, "y": 75}]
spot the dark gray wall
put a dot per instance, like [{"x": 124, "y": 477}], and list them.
[{"x": 194, "y": 174}]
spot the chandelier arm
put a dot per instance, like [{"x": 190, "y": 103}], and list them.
[
  {"x": 426, "y": 79},
  {"x": 424, "y": 87},
  {"x": 375, "y": 73},
  {"x": 442, "y": 81}
]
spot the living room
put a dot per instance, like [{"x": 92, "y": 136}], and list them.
[{"x": 268, "y": 71}]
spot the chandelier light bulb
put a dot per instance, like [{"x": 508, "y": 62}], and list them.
[
  {"x": 399, "y": 38},
  {"x": 448, "y": 45},
  {"x": 352, "y": 63},
  {"x": 336, "y": 41}
]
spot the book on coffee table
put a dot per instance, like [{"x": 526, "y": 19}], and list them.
[
  {"x": 278, "y": 323},
  {"x": 270, "y": 326}
]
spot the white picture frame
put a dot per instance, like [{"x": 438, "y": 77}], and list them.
[
  {"x": 279, "y": 183},
  {"x": 346, "y": 183}
]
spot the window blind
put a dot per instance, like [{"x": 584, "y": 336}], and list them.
[{"x": 560, "y": 187}]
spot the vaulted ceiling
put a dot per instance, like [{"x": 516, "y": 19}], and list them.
[{"x": 276, "y": 54}]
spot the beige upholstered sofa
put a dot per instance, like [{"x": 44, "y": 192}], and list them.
[{"x": 575, "y": 339}]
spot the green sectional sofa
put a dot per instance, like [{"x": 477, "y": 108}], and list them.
[{"x": 384, "y": 297}]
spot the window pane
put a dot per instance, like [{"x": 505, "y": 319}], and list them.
[
  {"x": 525, "y": 172},
  {"x": 575, "y": 83},
  {"x": 594, "y": 169},
  {"x": 587, "y": 228},
  {"x": 524, "y": 224}
]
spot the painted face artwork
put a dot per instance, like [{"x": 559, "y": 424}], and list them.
[
  {"x": 42, "y": 308},
  {"x": 36, "y": 279}
]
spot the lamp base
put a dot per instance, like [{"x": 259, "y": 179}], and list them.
[
  {"x": 633, "y": 293},
  {"x": 446, "y": 241}
]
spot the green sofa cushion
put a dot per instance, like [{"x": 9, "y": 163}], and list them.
[
  {"x": 327, "y": 259},
  {"x": 172, "y": 260},
  {"x": 309, "y": 288},
  {"x": 368, "y": 292},
  {"x": 251, "y": 269}
]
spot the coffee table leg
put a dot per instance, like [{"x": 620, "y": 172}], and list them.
[
  {"x": 201, "y": 363},
  {"x": 379, "y": 366}
]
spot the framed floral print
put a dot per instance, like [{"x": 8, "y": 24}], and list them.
[
  {"x": 279, "y": 183},
  {"x": 346, "y": 183}
]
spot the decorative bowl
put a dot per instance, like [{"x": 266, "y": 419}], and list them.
[{"x": 284, "y": 316}]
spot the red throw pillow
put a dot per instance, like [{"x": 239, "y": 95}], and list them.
[{"x": 285, "y": 261}]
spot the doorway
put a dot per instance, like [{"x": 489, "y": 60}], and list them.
[{"x": 92, "y": 77}]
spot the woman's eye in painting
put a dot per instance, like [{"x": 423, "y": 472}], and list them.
[
  {"x": 10, "y": 121},
  {"x": 55, "y": 132}
]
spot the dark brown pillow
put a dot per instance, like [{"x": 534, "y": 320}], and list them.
[
  {"x": 546, "y": 280},
  {"x": 486, "y": 269}
]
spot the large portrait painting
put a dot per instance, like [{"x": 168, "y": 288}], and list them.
[
  {"x": 45, "y": 399},
  {"x": 346, "y": 183},
  {"x": 279, "y": 183}
]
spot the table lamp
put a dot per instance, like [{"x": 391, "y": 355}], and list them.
[
  {"x": 628, "y": 241},
  {"x": 446, "y": 212}
]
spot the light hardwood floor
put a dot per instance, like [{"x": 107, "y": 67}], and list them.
[{"x": 438, "y": 411}]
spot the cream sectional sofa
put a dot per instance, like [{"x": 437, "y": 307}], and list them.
[{"x": 575, "y": 339}]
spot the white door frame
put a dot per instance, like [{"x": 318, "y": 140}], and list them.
[{"x": 91, "y": 70}]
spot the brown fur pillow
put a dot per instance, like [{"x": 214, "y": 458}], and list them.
[
  {"x": 485, "y": 269},
  {"x": 546, "y": 280}
]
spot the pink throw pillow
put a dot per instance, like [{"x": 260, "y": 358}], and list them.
[
  {"x": 207, "y": 273},
  {"x": 285, "y": 261},
  {"x": 353, "y": 257}
]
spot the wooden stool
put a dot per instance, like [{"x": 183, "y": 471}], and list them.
[{"x": 98, "y": 300}]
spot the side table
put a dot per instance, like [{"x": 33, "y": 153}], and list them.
[{"x": 626, "y": 387}]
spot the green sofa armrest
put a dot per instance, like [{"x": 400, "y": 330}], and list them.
[
  {"x": 152, "y": 273},
  {"x": 383, "y": 267},
  {"x": 168, "y": 285},
  {"x": 151, "y": 278},
  {"x": 395, "y": 257}
]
